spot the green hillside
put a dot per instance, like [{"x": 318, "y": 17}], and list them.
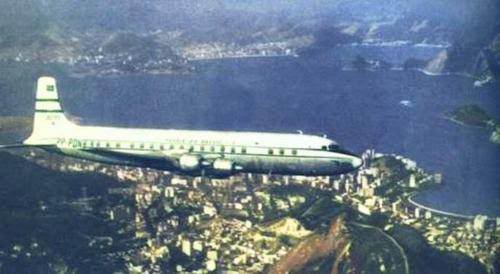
[
  {"x": 22, "y": 22},
  {"x": 43, "y": 229}
]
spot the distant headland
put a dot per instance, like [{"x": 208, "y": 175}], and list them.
[{"x": 474, "y": 115}]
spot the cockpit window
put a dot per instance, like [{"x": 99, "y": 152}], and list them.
[{"x": 333, "y": 147}]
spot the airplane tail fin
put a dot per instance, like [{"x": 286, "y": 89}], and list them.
[{"x": 49, "y": 119}]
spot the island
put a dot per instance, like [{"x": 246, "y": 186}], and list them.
[
  {"x": 474, "y": 115},
  {"x": 495, "y": 135},
  {"x": 470, "y": 115}
]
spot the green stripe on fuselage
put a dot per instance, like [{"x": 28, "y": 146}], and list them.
[
  {"x": 48, "y": 111},
  {"x": 47, "y": 100},
  {"x": 221, "y": 155}
]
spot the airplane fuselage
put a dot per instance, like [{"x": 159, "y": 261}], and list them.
[
  {"x": 193, "y": 152},
  {"x": 214, "y": 153}
]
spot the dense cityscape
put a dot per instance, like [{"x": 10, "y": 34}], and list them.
[{"x": 251, "y": 223}]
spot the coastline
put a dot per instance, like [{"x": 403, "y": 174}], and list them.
[
  {"x": 491, "y": 129},
  {"x": 437, "y": 211},
  {"x": 241, "y": 57},
  {"x": 458, "y": 122}
]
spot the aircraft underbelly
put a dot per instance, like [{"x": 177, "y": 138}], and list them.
[
  {"x": 284, "y": 165},
  {"x": 248, "y": 163}
]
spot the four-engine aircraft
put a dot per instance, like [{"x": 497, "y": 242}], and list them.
[{"x": 189, "y": 152}]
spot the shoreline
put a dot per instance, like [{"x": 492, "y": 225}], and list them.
[
  {"x": 458, "y": 122},
  {"x": 412, "y": 201},
  {"x": 240, "y": 57}
]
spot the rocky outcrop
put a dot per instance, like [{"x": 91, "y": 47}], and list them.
[
  {"x": 289, "y": 227},
  {"x": 436, "y": 65},
  {"x": 330, "y": 245},
  {"x": 495, "y": 136},
  {"x": 487, "y": 67}
]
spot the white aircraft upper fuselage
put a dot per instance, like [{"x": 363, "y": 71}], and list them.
[{"x": 191, "y": 152}]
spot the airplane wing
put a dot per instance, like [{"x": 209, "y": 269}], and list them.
[
  {"x": 123, "y": 154},
  {"x": 168, "y": 157}
]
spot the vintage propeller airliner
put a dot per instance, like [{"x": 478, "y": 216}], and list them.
[{"x": 189, "y": 152}]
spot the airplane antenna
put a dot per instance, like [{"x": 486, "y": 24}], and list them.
[{"x": 300, "y": 131}]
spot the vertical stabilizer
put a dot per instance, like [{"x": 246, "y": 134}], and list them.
[{"x": 49, "y": 119}]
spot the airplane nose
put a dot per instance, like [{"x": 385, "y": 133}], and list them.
[{"x": 356, "y": 162}]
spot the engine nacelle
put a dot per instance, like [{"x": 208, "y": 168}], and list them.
[
  {"x": 190, "y": 162},
  {"x": 223, "y": 165}
]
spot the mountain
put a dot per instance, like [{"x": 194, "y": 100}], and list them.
[
  {"x": 422, "y": 258},
  {"x": 487, "y": 66},
  {"x": 331, "y": 245},
  {"x": 22, "y": 23},
  {"x": 352, "y": 247},
  {"x": 72, "y": 32}
]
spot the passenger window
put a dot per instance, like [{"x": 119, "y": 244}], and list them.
[
  {"x": 294, "y": 151},
  {"x": 212, "y": 149},
  {"x": 243, "y": 150},
  {"x": 191, "y": 148},
  {"x": 162, "y": 147},
  {"x": 270, "y": 151},
  {"x": 202, "y": 148},
  {"x": 142, "y": 146},
  {"x": 233, "y": 150},
  {"x": 171, "y": 147},
  {"x": 151, "y": 146},
  {"x": 222, "y": 149},
  {"x": 117, "y": 145},
  {"x": 282, "y": 151},
  {"x": 107, "y": 145}
]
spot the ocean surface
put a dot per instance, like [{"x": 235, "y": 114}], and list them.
[{"x": 389, "y": 110}]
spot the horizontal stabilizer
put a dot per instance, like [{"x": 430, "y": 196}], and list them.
[
  {"x": 13, "y": 146},
  {"x": 8, "y": 146}
]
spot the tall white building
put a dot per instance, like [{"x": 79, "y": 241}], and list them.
[
  {"x": 412, "y": 181},
  {"x": 186, "y": 247},
  {"x": 479, "y": 222}
]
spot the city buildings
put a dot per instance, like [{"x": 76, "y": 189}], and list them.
[{"x": 243, "y": 223}]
